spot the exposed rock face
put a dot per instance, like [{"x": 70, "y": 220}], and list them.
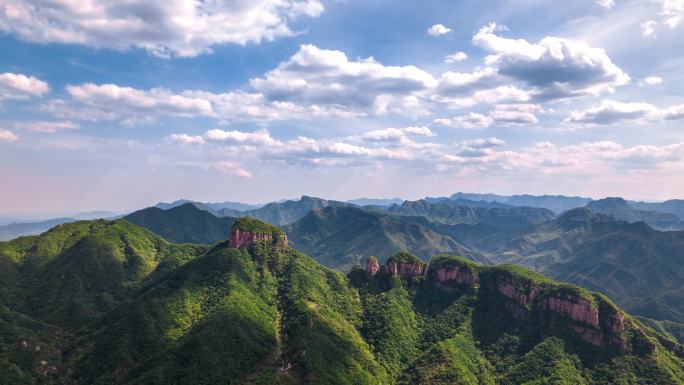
[
  {"x": 521, "y": 296},
  {"x": 372, "y": 266},
  {"x": 406, "y": 270},
  {"x": 581, "y": 310},
  {"x": 241, "y": 238},
  {"x": 449, "y": 278},
  {"x": 457, "y": 275},
  {"x": 555, "y": 308},
  {"x": 597, "y": 325}
]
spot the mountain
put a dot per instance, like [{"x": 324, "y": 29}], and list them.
[
  {"x": 15, "y": 230},
  {"x": 450, "y": 213},
  {"x": 286, "y": 212},
  {"x": 673, "y": 206},
  {"x": 637, "y": 266},
  {"x": 183, "y": 224},
  {"x": 340, "y": 236},
  {"x": 252, "y": 310},
  {"x": 375, "y": 202},
  {"x": 555, "y": 203},
  {"x": 624, "y": 211}
]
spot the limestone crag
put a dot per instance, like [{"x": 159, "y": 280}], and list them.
[
  {"x": 372, "y": 266},
  {"x": 406, "y": 270},
  {"x": 247, "y": 233}
]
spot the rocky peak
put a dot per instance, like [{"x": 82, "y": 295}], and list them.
[
  {"x": 372, "y": 266},
  {"x": 247, "y": 232},
  {"x": 451, "y": 273},
  {"x": 590, "y": 317},
  {"x": 405, "y": 265}
]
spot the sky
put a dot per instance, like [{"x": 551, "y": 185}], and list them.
[{"x": 118, "y": 105}]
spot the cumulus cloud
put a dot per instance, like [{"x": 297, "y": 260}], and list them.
[
  {"x": 456, "y": 57},
  {"x": 227, "y": 167},
  {"x": 396, "y": 134},
  {"x": 607, "y": 4},
  {"x": 648, "y": 28},
  {"x": 49, "y": 127},
  {"x": 162, "y": 27},
  {"x": 19, "y": 86},
  {"x": 438, "y": 30},
  {"x": 131, "y": 106},
  {"x": 555, "y": 67},
  {"x": 260, "y": 137},
  {"x": 470, "y": 121},
  {"x": 490, "y": 142},
  {"x": 588, "y": 158},
  {"x": 652, "y": 81},
  {"x": 672, "y": 11},
  {"x": 315, "y": 76},
  {"x": 8, "y": 136},
  {"x": 611, "y": 112},
  {"x": 504, "y": 114},
  {"x": 185, "y": 139}
]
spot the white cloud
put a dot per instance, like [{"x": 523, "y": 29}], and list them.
[
  {"x": 396, "y": 134},
  {"x": 227, "y": 167},
  {"x": 8, "y": 136},
  {"x": 162, "y": 27},
  {"x": 19, "y": 86},
  {"x": 318, "y": 77},
  {"x": 672, "y": 11},
  {"x": 555, "y": 67},
  {"x": 504, "y": 114},
  {"x": 131, "y": 106},
  {"x": 419, "y": 130},
  {"x": 484, "y": 143},
  {"x": 456, "y": 57},
  {"x": 260, "y": 137},
  {"x": 438, "y": 30},
  {"x": 652, "y": 80},
  {"x": 648, "y": 28},
  {"x": 611, "y": 112},
  {"x": 49, "y": 127},
  {"x": 607, "y": 4},
  {"x": 185, "y": 139},
  {"x": 469, "y": 121}
]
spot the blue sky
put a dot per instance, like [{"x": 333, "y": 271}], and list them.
[{"x": 121, "y": 105}]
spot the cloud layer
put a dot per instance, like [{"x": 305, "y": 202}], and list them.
[{"x": 162, "y": 27}]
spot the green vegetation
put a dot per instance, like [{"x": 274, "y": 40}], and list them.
[
  {"x": 107, "y": 302},
  {"x": 255, "y": 226},
  {"x": 183, "y": 224},
  {"x": 405, "y": 257}
]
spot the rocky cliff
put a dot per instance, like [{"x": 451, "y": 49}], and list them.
[
  {"x": 247, "y": 233},
  {"x": 559, "y": 309}
]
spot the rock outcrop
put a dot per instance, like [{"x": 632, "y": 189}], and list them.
[
  {"x": 372, "y": 266},
  {"x": 247, "y": 233},
  {"x": 405, "y": 265},
  {"x": 590, "y": 317},
  {"x": 527, "y": 296}
]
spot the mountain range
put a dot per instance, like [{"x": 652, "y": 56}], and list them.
[{"x": 107, "y": 302}]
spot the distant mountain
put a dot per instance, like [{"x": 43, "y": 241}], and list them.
[
  {"x": 286, "y": 212},
  {"x": 555, "y": 203},
  {"x": 640, "y": 268},
  {"x": 674, "y": 206},
  {"x": 375, "y": 202},
  {"x": 15, "y": 230},
  {"x": 453, "y": 213},
  {"x": 467, "y": 202},
  {"x": 340, "y": 236},
  {"x": 210, "y": 206},
  {"x": 183, "y": 224},
  {"x": 622, "y": 210}
]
